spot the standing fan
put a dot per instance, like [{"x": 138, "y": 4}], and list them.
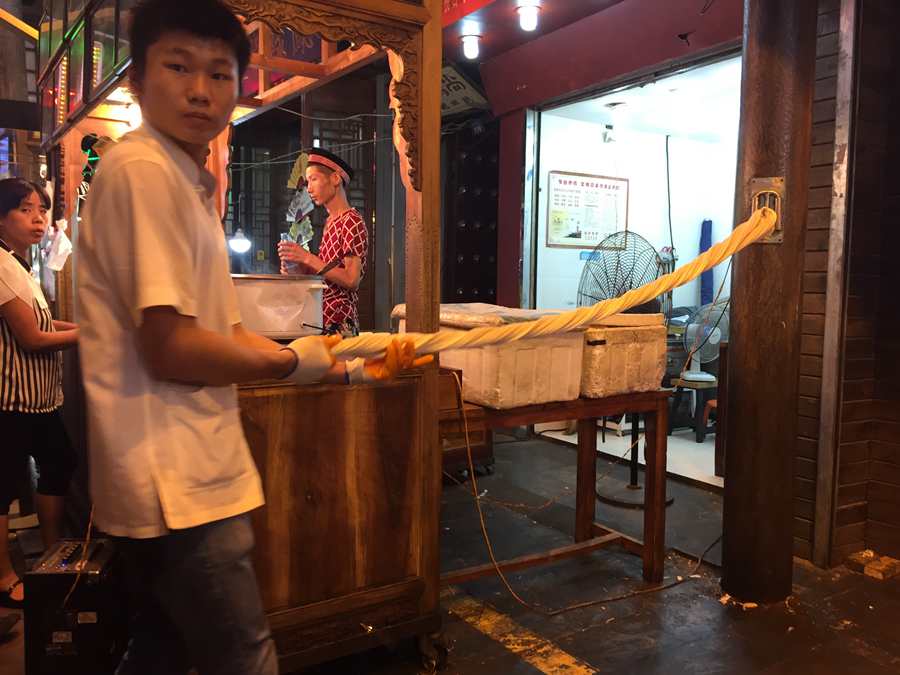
[
  {"x": 621, "y": 262},
  {"x": 704, "y": 331}
]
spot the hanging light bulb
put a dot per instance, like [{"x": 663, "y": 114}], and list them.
[
  {"x": 528, "y": 14},
  {"x": 239, "y": 243},
  {"x": 471, "y": 46}
]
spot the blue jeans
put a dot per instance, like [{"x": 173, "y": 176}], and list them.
[{"x": 197, "y": 604}]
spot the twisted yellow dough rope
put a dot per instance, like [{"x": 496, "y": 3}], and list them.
[{"x": 761, "y": 223}]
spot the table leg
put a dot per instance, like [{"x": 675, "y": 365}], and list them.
[
  {"x": 586, "y": 481},
  {"x": 655, "y": 426}
]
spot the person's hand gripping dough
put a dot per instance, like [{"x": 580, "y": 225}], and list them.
[{"x": 400, "y": 355}]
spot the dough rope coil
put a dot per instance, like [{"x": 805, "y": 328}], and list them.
[{"x": 760, "y": 224}]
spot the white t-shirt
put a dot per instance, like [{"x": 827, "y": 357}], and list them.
[{"x": 163, "y": 456}]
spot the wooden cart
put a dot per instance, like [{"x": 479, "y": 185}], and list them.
[{"x": 347, "y": 544}]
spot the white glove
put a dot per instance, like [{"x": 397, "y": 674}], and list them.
[{"x": 314, "y": 360}]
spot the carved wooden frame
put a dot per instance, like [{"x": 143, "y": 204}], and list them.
[{"x": 376, "y": 26}]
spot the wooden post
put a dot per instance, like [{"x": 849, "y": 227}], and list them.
[
  {"x": 265, "y": 49},
  {"x": 423, "y": 265},
  {"x": 776, "y": 127}
]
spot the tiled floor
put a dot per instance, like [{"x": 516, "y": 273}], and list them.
[{"x": 685, "y": 457}]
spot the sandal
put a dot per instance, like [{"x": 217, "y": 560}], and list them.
[{"x": 6, "y": 599}]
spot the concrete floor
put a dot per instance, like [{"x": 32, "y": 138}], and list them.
[{"x": 836, "y": 622}]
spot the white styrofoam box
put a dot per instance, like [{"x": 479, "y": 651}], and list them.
[
  {"x": 524, "y": 372},
  {"x": 623, "y": 359},
  {"x": 278, "y": 306}
]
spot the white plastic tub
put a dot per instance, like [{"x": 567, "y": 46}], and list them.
[
  {"x": 525, "y": 372},
  {"x": 278, "y": 306}
]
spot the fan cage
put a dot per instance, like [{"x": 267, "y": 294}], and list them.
[{"x": 621, "y": 262}]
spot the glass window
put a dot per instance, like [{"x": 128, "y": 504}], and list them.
[
  {"x": 76, "y": 70},
  {"x": 125, "y": 9},
  {"x": 291, "y": 45},
  {"x": 250, "y": 83},
  {"x": 75, "y": 8},
  {"x": 47, "y": 109},
  {"x": 57, "y": 24},
  {"x": 6, "y": 167},
  {"x": 103, "y": 41},
  {"x": 44, "y": 39}
]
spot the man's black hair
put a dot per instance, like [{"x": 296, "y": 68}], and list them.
[{"x": 210, "y": 19}]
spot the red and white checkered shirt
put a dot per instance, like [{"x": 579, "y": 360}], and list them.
[{"x": 345, "y": 235}]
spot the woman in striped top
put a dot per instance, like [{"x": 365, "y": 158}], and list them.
[{"x": 30, "y": 376}]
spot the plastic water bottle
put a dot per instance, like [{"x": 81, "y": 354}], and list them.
[{"x": 290, "y": 267}]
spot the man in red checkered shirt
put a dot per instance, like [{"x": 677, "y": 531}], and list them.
[{"x": 345, "y": 243}]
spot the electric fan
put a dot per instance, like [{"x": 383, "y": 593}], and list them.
[
  {"x": 619, "y": 263},
  {"x": 704, "y": 331}
]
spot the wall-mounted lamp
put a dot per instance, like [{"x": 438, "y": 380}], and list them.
[{"x": 528, "y": 14}]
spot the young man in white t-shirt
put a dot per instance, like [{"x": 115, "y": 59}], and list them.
[{"x": 162, "y": 348}]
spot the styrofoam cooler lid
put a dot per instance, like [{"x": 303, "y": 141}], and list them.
[{"x": 479, "y": 314}]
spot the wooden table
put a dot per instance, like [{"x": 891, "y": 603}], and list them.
[{"x": 589, "y": 535}]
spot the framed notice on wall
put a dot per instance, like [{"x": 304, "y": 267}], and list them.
[{"x": 582, "y": 210}]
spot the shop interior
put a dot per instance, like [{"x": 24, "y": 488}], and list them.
[{"x": 670, "y": 144}]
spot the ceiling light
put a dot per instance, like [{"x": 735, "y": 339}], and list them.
[
  {"x": 471, "y": 46},
  {"x": 528, "y": 14}
]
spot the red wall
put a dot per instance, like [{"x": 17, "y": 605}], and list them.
[{"x": 629, "y": 37}]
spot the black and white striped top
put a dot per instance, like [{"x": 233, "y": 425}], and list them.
[{"x": 30, "y": 382}]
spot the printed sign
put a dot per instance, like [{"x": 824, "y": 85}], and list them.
[
  {"x": 457, "y": 94},
  {"x": 583, "y": 209}
]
